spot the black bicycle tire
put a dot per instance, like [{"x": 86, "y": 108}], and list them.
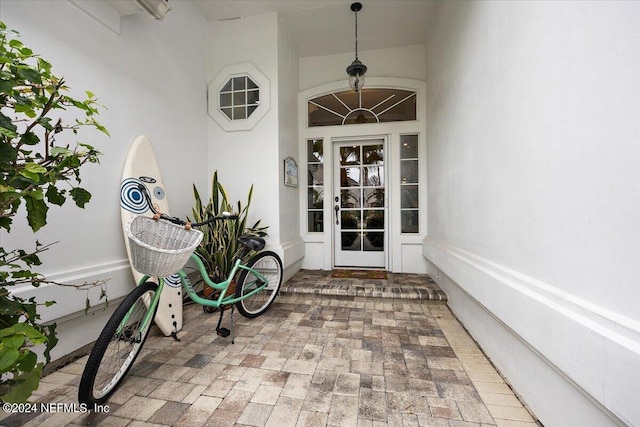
[
  {"x": 87, "y": 381},
  {"x": 240, "y": 305}
]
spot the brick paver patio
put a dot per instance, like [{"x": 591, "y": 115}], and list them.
[{"x": 312, "y": 360}]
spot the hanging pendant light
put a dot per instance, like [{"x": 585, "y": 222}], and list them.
[{"x": 357, "y": 69}]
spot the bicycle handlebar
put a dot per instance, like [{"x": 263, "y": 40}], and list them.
[{"x": 178, "y": 221}]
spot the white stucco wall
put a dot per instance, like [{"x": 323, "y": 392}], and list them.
[
  {"x": 247, "y": 157},
  {"x": 151, "y": 78},
  {"x": 288, "y": 143},
  {"x": 403, "y": 62},
  {"x": 534, "y": 198},
  {"x": 255, "y": 156}
]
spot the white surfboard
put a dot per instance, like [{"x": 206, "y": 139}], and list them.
[{"x": 141, "y": 167}]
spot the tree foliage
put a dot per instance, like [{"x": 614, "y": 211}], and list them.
[{"x": 36, "y": 171}]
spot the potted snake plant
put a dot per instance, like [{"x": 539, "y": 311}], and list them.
[{"x": 220, "y": 247}]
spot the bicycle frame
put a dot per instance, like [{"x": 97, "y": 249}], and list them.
[
  {"x": 222, "y": 299},
  {"x": 123, "y": 336}
]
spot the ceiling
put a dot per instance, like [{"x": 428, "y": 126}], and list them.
[{"x": 326, "y": 27}]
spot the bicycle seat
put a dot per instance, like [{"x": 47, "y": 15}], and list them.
[{"x": 252, "y": 242}]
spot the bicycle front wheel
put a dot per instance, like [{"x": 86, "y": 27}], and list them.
[
  {"x": 117, "y": 346},
  {"x": 268, "y": 264}
]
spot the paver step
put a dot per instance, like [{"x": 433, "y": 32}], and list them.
[{"x": 400, "y": 286}]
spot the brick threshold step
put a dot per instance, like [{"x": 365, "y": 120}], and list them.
[{"x": 396, "y": 286}]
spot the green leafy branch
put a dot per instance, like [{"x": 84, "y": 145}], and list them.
[
  {"x": 36, "y": 171},
  {"x": 32, "y": 164}
]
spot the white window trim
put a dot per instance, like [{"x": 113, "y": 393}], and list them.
[{"x": 214, "y": 88}]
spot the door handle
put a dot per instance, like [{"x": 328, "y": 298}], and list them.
[{"x": 337, "y": 209}]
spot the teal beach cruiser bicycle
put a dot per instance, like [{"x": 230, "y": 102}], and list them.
[{"x": 160, "y": 247}]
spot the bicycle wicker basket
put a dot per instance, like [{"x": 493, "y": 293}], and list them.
[{"x": 160, "y": 248}]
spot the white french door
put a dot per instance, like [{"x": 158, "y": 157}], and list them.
[{"x": 359, "y": 204}]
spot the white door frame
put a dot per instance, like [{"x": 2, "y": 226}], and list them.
[
  {"x": 360, "y": 259},
  {"x": 404, "y": 251}
]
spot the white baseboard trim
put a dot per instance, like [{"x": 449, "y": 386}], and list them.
[
  {"x": 71, "y": 301},
  {"x": 75, "y": 327},
  {"x": 291, "y": 251},
  {"x": 595, "y": 351}
]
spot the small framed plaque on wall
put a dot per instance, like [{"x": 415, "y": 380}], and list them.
[{"x": 290, "y": 172}]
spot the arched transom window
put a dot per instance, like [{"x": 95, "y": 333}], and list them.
[{"x": 373, "y": 105}]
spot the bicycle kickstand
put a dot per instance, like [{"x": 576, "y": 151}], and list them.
[
  {"x": 233, "y": 326},
  {"x": 224, "y": 332}
]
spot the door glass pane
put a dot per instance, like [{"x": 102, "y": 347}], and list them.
[
  {"x": 409, "y": 147},
  {"x": 227, "y": 112},
  {"x": 314, "y": 151},
  {"x": 315, "y": 221},
  {"x": 409, "y": 196},
  {"x": 370, "y": 105},
  {"x": 349, "y": 156},
  {"x": 373, "y": 176},
  {"x": 374, "y": 241},
  {"x": 350, "y": 198},
  {"x": 315, "y": 181},
  {"x": 316, "y": 173},
  {"x": 374, "y": 219},
  {"x": 409, "y": 221},
  {"x": 351, "y": 241},
  {"x": 409, "y": 171},
  {"x": 349, "y": 177},
  {"x": 350, "y": 220},
  {"x": 372, "y": 154},
  {"x": 409, "y": 180},
  {"x": 359, "y": 117},
  {"x": 373, "y": 198},
  {"x": 316, "y": 197}
]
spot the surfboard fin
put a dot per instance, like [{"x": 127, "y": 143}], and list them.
[{"x": 174, "y": 334}]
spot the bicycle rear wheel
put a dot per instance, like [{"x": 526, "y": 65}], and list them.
[
  {"x": 269, "y": 265},
  {"x": 117, "y": 347}
]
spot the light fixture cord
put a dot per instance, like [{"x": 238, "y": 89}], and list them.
[{"x": 356, "y": 35}]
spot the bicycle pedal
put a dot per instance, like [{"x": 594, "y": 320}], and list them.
[{"x": 224, "y": 332}]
